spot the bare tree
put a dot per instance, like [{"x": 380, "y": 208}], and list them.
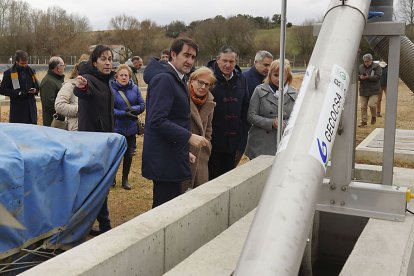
[
  {"x": 405, "y": 11},
  {"x": 211, "y": 34},
  {"x": 303, "y": 39},
  {"x": 126, "y": 30},
  {"x": 56, "y": 32}
]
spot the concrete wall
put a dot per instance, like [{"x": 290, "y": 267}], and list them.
[
  {"x": 196, "y": 234},
  {"x": 159, "y": 239}
]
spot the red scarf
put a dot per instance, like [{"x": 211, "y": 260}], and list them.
[{"x": 198, "y": 101}]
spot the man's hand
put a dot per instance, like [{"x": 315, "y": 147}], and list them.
[
  {"x": 32, "y": 91},
  {"x": 275, "y": 123},
  {"x": 192, "y": 158},
  {"x": 198, "y": 141},
  {"x": 81, "y": 82}
]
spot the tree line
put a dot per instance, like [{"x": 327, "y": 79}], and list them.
[
  {"x": 56, "y": 32},
  {"x": 44, "y": 33}
]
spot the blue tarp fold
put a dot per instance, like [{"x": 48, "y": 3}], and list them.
[{"x": 54, "y": 182}]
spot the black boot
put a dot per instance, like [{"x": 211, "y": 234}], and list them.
[
  {"x": 125, "y": 172},
  {"x": 125, "y": 184},
  {"x": 113, "y": 184}
]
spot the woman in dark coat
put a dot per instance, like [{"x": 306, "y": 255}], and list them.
[
  {"x": 125, "y": 114},
  {"x": 96, "y": 105}
]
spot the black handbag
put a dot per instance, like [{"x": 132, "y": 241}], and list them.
[{"x": 140, "y": 125}]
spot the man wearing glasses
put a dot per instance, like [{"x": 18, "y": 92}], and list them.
[{"x": 49, "y": 88}]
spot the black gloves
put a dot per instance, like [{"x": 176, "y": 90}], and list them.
[
  {"x": 131, "y": 116},
  {"x": 135, "y": 112}
]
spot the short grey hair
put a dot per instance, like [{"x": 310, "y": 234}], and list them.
[
  {"x": 367, "y": 56},
  {"x": 261, "y": 55},
  {"x": 54, "y": 62}
]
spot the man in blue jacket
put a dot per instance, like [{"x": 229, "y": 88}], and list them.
[
  {"x": 230, "y": 124},
  {"x": 257, "y": 73},
  {"x": 166, "y": 157}
]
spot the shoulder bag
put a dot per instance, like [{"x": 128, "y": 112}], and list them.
[{"x": 140, "y": 125}]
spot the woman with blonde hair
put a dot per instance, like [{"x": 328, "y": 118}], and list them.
[
  {"x": 200, "y": 83},
  {"x": 66, "y": 102},
  {"x": 263, "y": 111}
]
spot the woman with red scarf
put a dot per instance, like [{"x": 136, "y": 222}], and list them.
[{"x": 202, "y": 106}]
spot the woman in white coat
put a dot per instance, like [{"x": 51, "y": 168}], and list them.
[
  {"x": 263, "y": 111},
  {"x": 66, "y": 102}
]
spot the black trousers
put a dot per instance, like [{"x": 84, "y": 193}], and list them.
[
  {"x": 164, "y": 191},
  {"x": 131, "y": 141},
  {"x": 103, "y": 217},
  {"x": 220, "y": 163}
]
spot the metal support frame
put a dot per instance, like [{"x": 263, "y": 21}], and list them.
[
  {"x": 363, "y": 199},
  {"x": 340, "y": 194}
]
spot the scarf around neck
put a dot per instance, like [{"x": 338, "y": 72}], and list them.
[{"x": 198, "y": 101}]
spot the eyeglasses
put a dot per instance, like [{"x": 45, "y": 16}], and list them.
[
  {"x": 62, "y": 65},
  {"x": 203, "y": 83}
]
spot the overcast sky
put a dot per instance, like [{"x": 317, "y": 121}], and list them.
[{"x": 163, "y": 12}]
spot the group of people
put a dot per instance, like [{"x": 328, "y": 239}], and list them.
[
  {"x": 198, "y": 123},
  {"x": 373, "y": 84}
]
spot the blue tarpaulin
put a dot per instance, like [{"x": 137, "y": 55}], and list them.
[{"x": 54, "y": 182}]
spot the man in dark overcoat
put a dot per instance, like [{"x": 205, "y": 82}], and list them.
[
  {"x": 20, "y": 84},
  {"x": 230, "y": 124},
  {"x": 166, "y": 157}
]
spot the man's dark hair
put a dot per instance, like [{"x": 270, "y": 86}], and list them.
[
  {"x": 135, "y": 58},
  {"x": 21, "y": 55},
  {"x": 166, "y": 51},
  {"x": 226, "y": 50},
  {"x": 97, "y": 52},
  {"x": 178, "y": 44}
]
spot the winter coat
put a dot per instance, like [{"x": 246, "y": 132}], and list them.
[
  {"x": 371, "y": 86},
  {"x": 384, "y": 76},
  {"x": 230, "y": 124},
  {"x": 49, "y": 88},
  {"x": 22, "y": 105},
  {"x": 201, "y": 124},
  {"x": 263, "y": 110},
  {"x": 254, "y": 78},
  {"x": 165, "y": 154},
  {"x": 134, "y": 75},
  {"x": 66, "y": 104},
  {"x": 124, "y": 125},
  {"x": 96, "y": 103}
]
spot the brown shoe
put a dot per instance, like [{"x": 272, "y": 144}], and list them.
[
  {"x": 373, "y": 120},
  {"x": 363, "y": 124},
  {"x": 379, "y": 115}
]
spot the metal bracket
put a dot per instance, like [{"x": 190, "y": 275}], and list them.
[{"x": 364, "y": 199}]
